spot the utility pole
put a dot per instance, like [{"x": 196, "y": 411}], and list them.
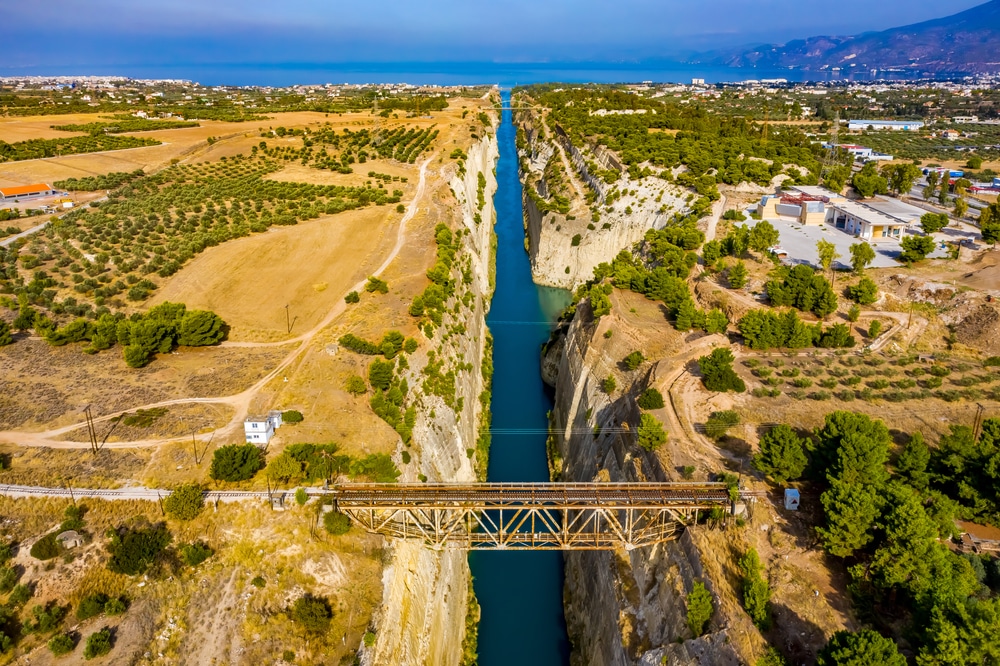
[
  {"x": 979, "y": 420},
  {"x": 90, "y": 430},
  {"x": 288, "y": 322}
]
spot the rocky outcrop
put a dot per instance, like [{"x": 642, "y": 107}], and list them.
[
  {"x": 566, "y": 247},
  {"x": 425, "y": 597},
  {"x": 628, "y": 607}
]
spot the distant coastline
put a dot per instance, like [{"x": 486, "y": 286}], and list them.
[{"x": 441, "y": 73}]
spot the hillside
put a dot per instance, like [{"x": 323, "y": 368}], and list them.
[{"x": 965, "y": 42}]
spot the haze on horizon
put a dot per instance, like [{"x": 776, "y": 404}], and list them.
[{"x": 77, "y": 36}]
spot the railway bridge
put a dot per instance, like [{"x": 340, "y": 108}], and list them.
[
  {"x": 532, "y": 516},
  {"x": 487, "y": 516}
]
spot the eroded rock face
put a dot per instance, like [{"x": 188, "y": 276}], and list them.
[
  {"x": 425, "y": 593},
  {"x": 566, "y": 247},
  {"x": 628, "y": 608}
]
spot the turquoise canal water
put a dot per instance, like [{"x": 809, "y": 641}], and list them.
[{"x": 520, "y": 592}]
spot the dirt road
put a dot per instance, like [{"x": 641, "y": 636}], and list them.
[{"x": 241, "y": 401}]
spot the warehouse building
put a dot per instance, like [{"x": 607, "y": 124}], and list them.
[
  {"x": 26, "y": 192},
  {"x": 897, "y": 125}
]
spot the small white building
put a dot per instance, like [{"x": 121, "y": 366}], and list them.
[{"x": 260, "y": 429}]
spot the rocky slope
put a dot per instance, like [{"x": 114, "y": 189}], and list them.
[
  {"x": 425, "y": 599},
  {"x": 628, "y": 608},
  {"x": 565, "y": 247}
]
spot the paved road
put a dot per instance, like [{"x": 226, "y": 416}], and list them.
[{"x": 6, "y": 242}]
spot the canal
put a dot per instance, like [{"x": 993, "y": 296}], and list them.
[{"x": 520, "y": 593}]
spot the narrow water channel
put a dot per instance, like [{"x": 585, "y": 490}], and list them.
[{"x": 520, "y": 592}]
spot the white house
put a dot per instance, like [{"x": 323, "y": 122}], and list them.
[{"x": 260, "y": 429}]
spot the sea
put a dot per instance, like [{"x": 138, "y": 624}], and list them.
[{"x": 446, "y": 73}]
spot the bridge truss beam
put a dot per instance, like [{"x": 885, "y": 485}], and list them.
[{"x": 529, "y": 516}]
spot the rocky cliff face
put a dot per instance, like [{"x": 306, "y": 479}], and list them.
[
  {"x": 629, "y": 607},
  {"x": 565, "y": 247},
  {"x": 425, "y": 598}
]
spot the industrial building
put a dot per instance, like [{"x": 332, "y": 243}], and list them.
[
  {"x": 860, "y": 153},
  {"x": 898, "y": 125},
  {"x": 26, "y": 192},
  {"x": 878, "y": 218}
]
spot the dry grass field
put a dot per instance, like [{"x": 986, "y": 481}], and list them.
[
  {"x": 212, "y": 613},
  {"x": 46, "y": 387},
  {"x": 248, "y": 281},
  {"x": 308, "y": 267}
]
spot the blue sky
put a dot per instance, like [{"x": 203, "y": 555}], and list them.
[{"x": 78, "y": 34}]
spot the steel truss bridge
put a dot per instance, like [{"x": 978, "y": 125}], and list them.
[{"x": 531, "y": 516}]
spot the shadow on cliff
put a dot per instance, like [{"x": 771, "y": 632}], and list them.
[{"x": 797, "y": 638}]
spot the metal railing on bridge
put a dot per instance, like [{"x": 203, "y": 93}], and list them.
[{"x": 531, "y": 516}]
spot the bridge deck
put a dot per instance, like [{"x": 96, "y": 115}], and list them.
[{"x": 529, "y": 516}]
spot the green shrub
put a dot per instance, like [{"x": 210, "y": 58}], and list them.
[
  {"x": 756, "y": 592},
  {"x": 61, "y": 644},
  {"x": 651, "y": 433},
  {"x": 376, "y": 285},
  {"x": 46, "y": 548},
  {"x": 313, "y": 614},
  {"x": 236, "y": 462},
  {"x": 98, "y": 643},
  {"x": 44, "y": 619},
  {"x": 336, "y": 523},
  {"x": 864, "y": 293},
  {"x": 608, "y": 384},
  {"x": 195, "y": 553},
  {"x": 115, "y": 606},
  {"x": 717, "y": 371},
  {"x": 651, "y": 399},
  {"x": 719, "y": 422},
  {"x": 185, "y": 502},
  {"x": 291, "y": 416},
  {"x": 8, "y": 579},
  {"x": 91, "y": 606},
  {"x": 633, "y": 361},
  {"x": 699, "y": 609},
  {"x": 352, "y": 297},
  {"x": 782, "y": 454},
  {"x": 359, "y": 345},
  {"x": 356, "y": 385},
  {"x": 19, "y": 596},
  {"x": 134, "y": 551}
]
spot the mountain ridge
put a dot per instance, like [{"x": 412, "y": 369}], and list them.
[{"x": 966, "y": 42}]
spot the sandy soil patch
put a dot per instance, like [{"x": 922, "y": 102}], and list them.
[
  {"x": 308, "y": 267},
  {"x": 49, "y": 386}
]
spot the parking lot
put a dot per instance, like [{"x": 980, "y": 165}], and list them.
[{"x": 799, "y": 242}]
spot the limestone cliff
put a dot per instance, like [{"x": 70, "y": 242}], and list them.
[
  {"x": 573, "y": 220},
  {"x": 422, "y": 618},
  {"x": 628, "y": 607}
]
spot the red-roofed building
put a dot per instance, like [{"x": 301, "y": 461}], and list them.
[{"x": 22, "y": 192}]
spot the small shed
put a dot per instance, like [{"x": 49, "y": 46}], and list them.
[
  {"x": 69, "y": 539},
  {"x": 792, "y": 499}
]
